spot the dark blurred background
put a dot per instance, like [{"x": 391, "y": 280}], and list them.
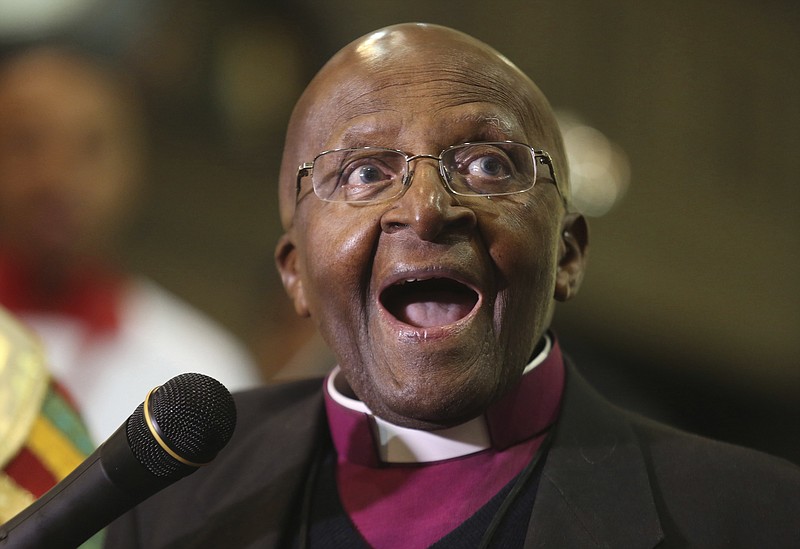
[{"x": 689, "y": 311}]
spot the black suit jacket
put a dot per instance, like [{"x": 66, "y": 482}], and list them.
[{"x": 611, "y": 479}]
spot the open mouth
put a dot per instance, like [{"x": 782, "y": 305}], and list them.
[{"x": 428, "y": 303}]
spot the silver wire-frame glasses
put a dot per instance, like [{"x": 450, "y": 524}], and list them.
[{"x": 374, "y": 174}]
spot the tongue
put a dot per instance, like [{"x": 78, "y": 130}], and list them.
[{"x": 428, "y": 309}]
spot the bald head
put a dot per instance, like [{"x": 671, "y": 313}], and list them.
[{"x": 408, "y": 60}]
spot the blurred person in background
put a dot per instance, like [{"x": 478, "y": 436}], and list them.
[{"x": 72, "y": 156}]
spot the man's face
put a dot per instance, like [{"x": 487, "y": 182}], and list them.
[
  {"x": 432, "y": 303},
  {"x": 67, "y": 160}
]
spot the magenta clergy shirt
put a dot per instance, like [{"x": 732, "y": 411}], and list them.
[{"x": 395, "y": 485}]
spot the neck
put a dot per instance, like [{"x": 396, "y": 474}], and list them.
[{"x": 527, "y": 409}]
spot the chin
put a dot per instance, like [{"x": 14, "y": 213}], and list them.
[{"x": 421, "y": 408}]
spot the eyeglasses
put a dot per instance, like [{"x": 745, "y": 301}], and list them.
[{"x": 374, "y": 174}]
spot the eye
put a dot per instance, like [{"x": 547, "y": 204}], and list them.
[
  {"x": 484, "y": 167},
  {"x": 366, "y": 172},
  {"x": 358, "y": 175},
  {"x": 366, "y": 168},
  {"x": 368, "y": 175},
  {"x": 488, "y": 166},
  {"x": 482, "y": 162}
]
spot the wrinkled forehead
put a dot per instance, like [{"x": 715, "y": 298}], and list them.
[{"x": 396, "y": 73}]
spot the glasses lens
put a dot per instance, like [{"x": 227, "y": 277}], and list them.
[
  {"x": 490, "y": 168},
  {"x": 358, "y": 175}
]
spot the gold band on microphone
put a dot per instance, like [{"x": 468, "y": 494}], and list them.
[{"x": 156, "y": 432}]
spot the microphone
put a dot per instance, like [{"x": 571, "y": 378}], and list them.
[{"x": 180, "y": 426}]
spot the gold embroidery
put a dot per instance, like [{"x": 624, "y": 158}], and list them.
[{"x": 23, "y": 384}]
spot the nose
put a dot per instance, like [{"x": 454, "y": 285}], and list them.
[{"x": 427, "y": 207}]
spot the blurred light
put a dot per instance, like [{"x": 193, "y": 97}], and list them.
[
  {"x": 599, "y": 169},
  {"x": 25, "y": 19}
]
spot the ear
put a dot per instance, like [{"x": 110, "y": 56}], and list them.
[
  {"x": 573, "y": 254},
  {"x": 287, "y": 262}
]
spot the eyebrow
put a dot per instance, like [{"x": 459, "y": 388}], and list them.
[
  {"x": 359, "y": 137},
  {"x": 477, "y": 126},
  {"x": 492, "y": 126}
]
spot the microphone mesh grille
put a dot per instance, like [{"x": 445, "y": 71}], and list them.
[{"x": 196, "y": 415}]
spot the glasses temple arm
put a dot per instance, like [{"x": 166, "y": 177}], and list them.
[
  {"x": 302, "y": 171},
  {"x": 544, "y": 158}
]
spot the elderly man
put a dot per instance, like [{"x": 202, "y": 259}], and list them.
[{"x": 429, "y": 236}]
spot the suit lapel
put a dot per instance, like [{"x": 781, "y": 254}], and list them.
[{"x": 594, "y": 490}]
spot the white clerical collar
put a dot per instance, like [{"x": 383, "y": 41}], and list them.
[{"x": 398, "y": 444}]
